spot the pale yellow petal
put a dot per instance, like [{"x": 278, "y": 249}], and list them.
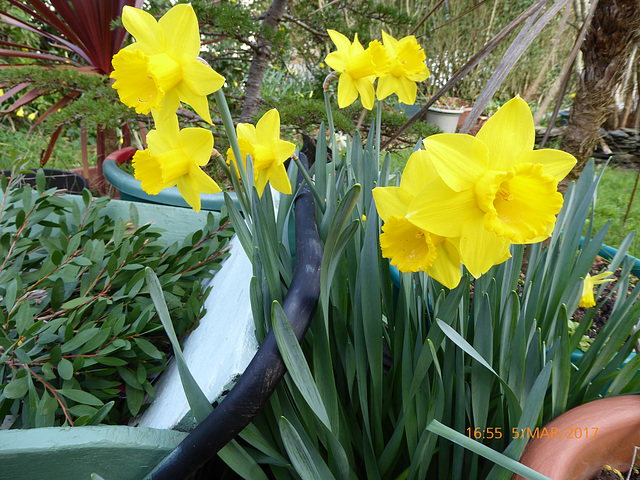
[
  {"x": 283, "y": 150},
  {"x": 440, "y": 210},
  {"x": 268, "y": 127},
  {"x": 481, "y": 249},
  {"x": 247, "y": 132},
  {"x": 556, "y": 162},
  {"x": 508, "y": 134},
  {"x": 181, "y": 31},
  {"x": 391, "y": 201},
  {"x": 347, "y": 91},
  {"x": 367, "y": 93},
  {"x": 337, "y": 61},
  {"x": 418, "y": 172},
  {"x": 201, "y": 79},
  {"x": 198, "y": 102},
  {"x": 459, "y": 159},
  {"x": 144, "y": 28},
  {"x": 386, "y": 86},
  {"x": 197, "y": 144},
  {"x": 203, "y": 182},
  {"x": 406, "y": 91},
  {"x": 188, "y": 188},
  {"x": 446, "y": 267},
  {"x": 279, "y": 179},
  {"x": 341, "y": 42}
]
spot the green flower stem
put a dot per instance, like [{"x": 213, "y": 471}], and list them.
[
  {"x": 319, "y": 199},
  {"x": 327, "y": 105},
  {"x": 227, "y": 121},
  {"x": 378, "y": 124}
]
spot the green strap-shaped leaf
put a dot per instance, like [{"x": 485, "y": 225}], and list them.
[
  {"x": 198, "y": 402},
  {"x": 296, "y": 363},
  {"x": 300, "y": 457}
]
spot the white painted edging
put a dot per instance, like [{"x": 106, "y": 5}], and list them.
[{"x": 217, "y": 351}]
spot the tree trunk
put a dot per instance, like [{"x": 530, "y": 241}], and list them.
[
  {"x": 606, "y": 50},
  {"x": 261, "y": 54}
]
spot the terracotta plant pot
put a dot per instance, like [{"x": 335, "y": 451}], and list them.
[{"x": 602, "y": 432}]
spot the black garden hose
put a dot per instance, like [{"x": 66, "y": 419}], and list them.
[{"x": 262, "y": 375}]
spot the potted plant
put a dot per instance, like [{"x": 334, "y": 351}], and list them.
[{"x": 446, "y": 113}]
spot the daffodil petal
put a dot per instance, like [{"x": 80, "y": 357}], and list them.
[
  {"x": 260, "y": 181},
  {"x": 418, "y": 172},
  {"x": 341, "y": 42},
  {"x": 440, "y": 210},
  {"x": 337, "y": 61},
  {"x": 201, "y": 79},
  {"x": 247, "y": 132},
  {"x": 556, "y": 162},
  {"x": 188, "y": 188},
  {"x": 198, "y": 102},
  {"x": 481, "y": 249},
  {"x": 446, "y": 267},
  {"x": 407, "y": 91},
  {"x": 203, "y": 182},
  {"x": 198, "y": 143},
  {"x": 268, "y": 127},
  {"x": 459, "y": 159},
  {"x": 279, "y": 179},
  {"x": 180, "y": 27},
  {"x": 283, "y": 150},
  {"x": 386, "y": 86},
  {"x": 367, "y": 93},
  {"x": 391, "y": 201},
  {"x": 347, "y": 91},
  {"x": 144, "y": 28},
  {"x": 508, "y": 134}
]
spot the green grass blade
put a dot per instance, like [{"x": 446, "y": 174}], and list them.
[{"x": 241, "y": 462}]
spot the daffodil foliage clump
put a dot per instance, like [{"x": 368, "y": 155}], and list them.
[{"x": 80, "y": 340}]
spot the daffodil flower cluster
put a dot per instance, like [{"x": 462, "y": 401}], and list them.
[
  {"x": 154, "y": 75},
  {"x": 464, "y": 199},
  {"x": 397, "y": 64}
]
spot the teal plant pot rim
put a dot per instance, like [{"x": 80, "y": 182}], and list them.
[{"x": 130, "y": 188}]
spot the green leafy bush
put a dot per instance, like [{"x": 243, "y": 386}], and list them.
[{"x": 80, "y": 340}]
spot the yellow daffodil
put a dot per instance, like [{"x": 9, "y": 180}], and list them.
[
  {"x": 586, "y": 299},
  {"x": 496, "y": 187},
  {"x": 20, "y": 112},
  {"x": 174, "y": 157},
  {"x": 358, "y": 68},
  {"x": 409, "y": 247},
  {"x": 32, "y": 116},
  {"x": 268, "y": 152},
  {"x": 407, "y": 67},
  {"x": 161, "y": 68}
]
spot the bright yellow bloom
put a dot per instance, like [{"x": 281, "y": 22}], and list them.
[
  {"x": 407, "y": 68},
  {"x": 358, "y": 68},
  {"x": 494, "y": 189},
  {"x": 32, "y": 116},
  {"x": 586, "y": 299},
  {"x": 161, "y": 68},
  {"x": 174, "y": 157},
  {"x": 409, "y": 247},
  {"x": 268, "y": 152},
  {"x": 20, "y": 112}
]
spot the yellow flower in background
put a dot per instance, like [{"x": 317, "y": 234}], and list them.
[
  {"x": 161, "y": 69},
  {"x": 20, "y": 112},
  {"x": 32, "y": 116},
  {"x": 586, "y": 299},
  {"x": 495, "y": 186},
  {"x": 358, "y": 68},
  {"x": 268, "y": 152},
  {"x": 174, "y": 157},
  {"x": 407, "y": 67},
  {"x": 409, "y": 247}
]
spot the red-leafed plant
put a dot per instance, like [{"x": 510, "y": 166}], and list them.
[{"x": 84, "y": 39}]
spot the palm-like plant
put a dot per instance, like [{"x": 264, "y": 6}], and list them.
[{"x": 78, "y": 35}]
